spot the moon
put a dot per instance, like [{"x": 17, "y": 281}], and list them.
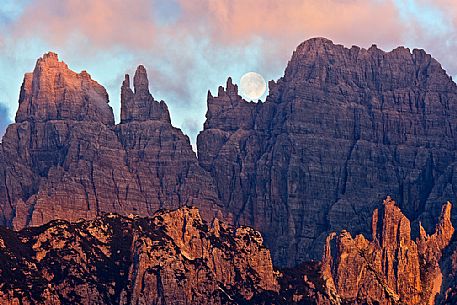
[{"x": 252, "y": 85}]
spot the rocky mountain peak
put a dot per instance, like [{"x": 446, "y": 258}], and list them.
[
  {"x": 396, "y": 271},
  {"x": 140, "y": 80},
  {"x": 392, "y": 226},
  {"x": 316, "y": 43},
  {"x": 50, "y": 59},
  {"x": 320, "y": 61},
  {"x": 64, "y": 146},
  {"x": 230, "y": 91},
  {"x": 139, "y": 104},
  {"x": 340, "y": 125},
  {"x": 54, "y": 92},
  {"x": 230, "y": 88}
]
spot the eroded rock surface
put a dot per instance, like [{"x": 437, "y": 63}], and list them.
[
  {"x": 54, "y": 92},
  {"x": 341, "y": 130},
  {"x": 171, "y": 258},
  {"x": 391, "y": 268},
  {"x": 65, "y": 159}
]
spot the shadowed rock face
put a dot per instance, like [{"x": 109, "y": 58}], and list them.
[
  {"x": 172, "y": 258},
  {"x": 139, "y": 105},
  {"x": 339, "y": 132},
  {"x": 65, "y": 159}
]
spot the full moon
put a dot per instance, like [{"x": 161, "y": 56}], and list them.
[{"x": 252, "y": 85}]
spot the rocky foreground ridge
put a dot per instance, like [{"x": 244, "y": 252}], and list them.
[
  {"x": 175, "y": 257},
  {"x": 171, "y": 258}
]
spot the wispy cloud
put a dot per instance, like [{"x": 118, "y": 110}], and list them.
[{"x": 190, "y": 46}]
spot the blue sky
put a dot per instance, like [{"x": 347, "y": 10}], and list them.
[{"x": 191, "y": 46}]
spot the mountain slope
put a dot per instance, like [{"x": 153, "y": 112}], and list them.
[
  {"x": 341, "y": 130},
  {"x": 64, "y": 158}
]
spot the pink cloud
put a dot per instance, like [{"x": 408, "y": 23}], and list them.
[
  {"x": 113, "y": 22},
  {"x": 234, "y": 21},
  {"x": 103, "y": 23}
]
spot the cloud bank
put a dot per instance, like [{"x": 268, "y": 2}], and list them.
[{"x": 190, "y": 46}]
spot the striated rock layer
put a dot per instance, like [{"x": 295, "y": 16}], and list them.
[
  {"x": 391, "y": 268},
  {"x": 341, "y": 125},
  {"x": 341, "y": 130},
  {"x": 65, "y": 159},
  {"x": 172, "y": 258}
]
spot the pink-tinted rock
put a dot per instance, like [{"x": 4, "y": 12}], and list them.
[
  {"x": 171, "y": 258},
  {"x": 341, "y": 130},
  {"x": 65, "y": 159},
  {"x": 392, "y": 268},
  {"x": 54, "y": 92},
  {"x": 139, "y": 105}
]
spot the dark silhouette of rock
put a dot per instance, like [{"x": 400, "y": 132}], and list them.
[{"x": 339, "y": 132}]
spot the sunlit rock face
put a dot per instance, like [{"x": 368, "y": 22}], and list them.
[
  {"x": 65, "y": 159},
  {"x": 54, "y": 92},
  {"x": 341, "y": 130},
  {"x": 392, "y": 268},
  {"x": 173, "y": 257}
]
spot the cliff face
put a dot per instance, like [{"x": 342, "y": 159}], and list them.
[
  {"x": 54, "y": 92},
  {"x": 65, "y": 159},
  {"x": 171, "y": 258},
  {"x": 341, "y": 125},
  {"x": 391, "y": 268}
]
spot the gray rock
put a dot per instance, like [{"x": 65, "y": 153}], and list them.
[{"x": 339, "y": 132}]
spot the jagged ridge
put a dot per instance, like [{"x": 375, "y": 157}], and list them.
[
  {"x": 64, "y": 157},
  {"x": 341, "y": 130},
  {"x": 169, "y": 258}
]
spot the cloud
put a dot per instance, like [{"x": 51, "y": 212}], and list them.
[
  {"x": 432, "y": 25},
  {"x": 4, "y": 120},
  {"x": 103, "y": 23},
  {"x": 346, "y": 21},
  {"x": 190, "y": 46}
]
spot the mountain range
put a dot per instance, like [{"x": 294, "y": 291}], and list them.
[{"x": 343, "y": 132}]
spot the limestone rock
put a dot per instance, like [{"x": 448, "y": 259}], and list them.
[
  {"x": 341, "y": 130},
  {"x": 392, "y": 268},
  {"x": 139, "y": 105},
  {"x": 65, "y": 159},
  {"x": 54, "y": 92},
  {"x": 171, "y": 258}
]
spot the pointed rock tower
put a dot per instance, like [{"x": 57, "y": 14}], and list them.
[{"x": 65, "y": 159}]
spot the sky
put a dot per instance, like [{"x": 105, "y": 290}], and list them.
[{"x": 192, "y": 46}]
